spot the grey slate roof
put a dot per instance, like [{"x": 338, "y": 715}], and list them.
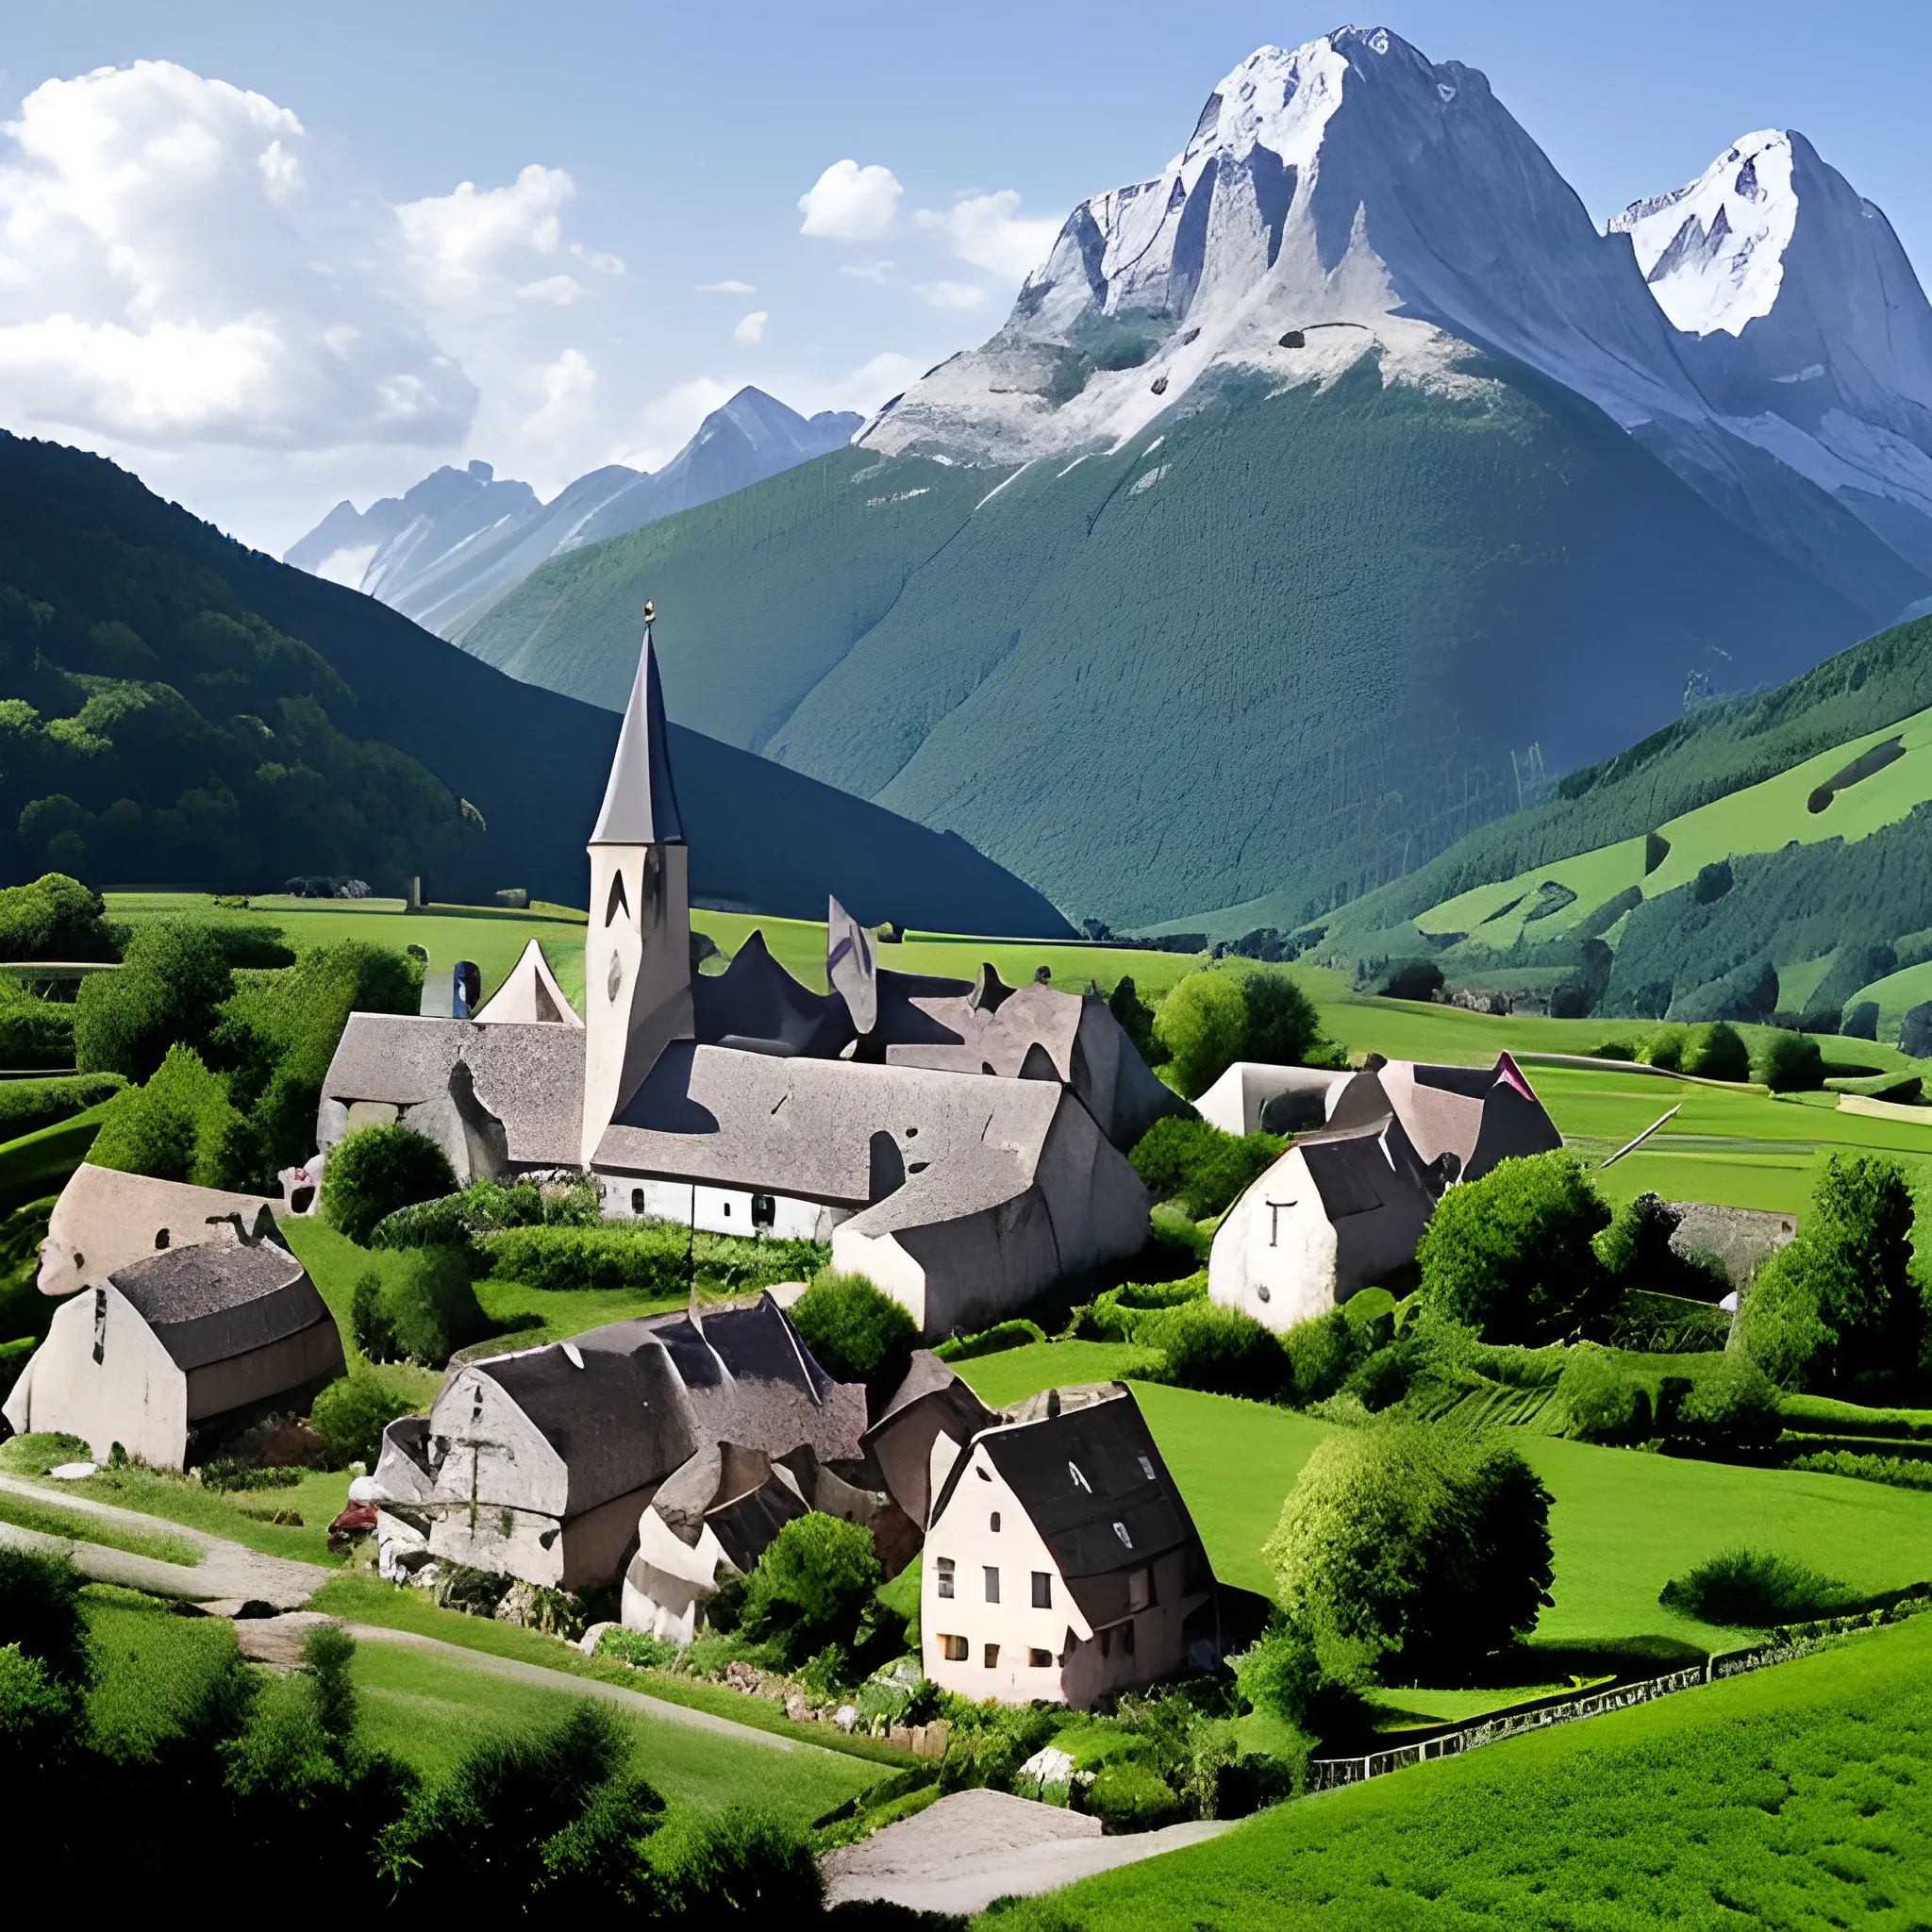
[
  {"x": 756, "y": 1005},
  {"x": 806, "y": 1126},
  {"x": 1122, "y": 1485},
  {"x": 640, "y": 802},
  {"x": 530, "y": 1077},
  {"x": 214, "y": 1300}
]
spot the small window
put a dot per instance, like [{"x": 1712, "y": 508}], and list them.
[
  {"x": 637, "y": 1200},
  {"x": 618, "y": 902},
  {"x": 727, "y": 1211},
  {"x": 1043, "y": 1590},
  {"x": 161, "y": 1237},
  {"x": 1127, "y": 1638},
  {"x": 100, "y": 1323},
  {"x": 1140, "y": 1589},
  {"x": 1106, "y": 1643},
  {"x": 992, "y": 1585},
  {"x": 993, "y": 1656},
  {"x": 1040, "y": 1659},
  {"x": 945, "y": 1576},
  {"x": 1120, "y": 1529},
  {"x": 953, "y": 1649},
  {"x": 1080, "y": 1480},
  {"x": 1146, "y": 1467},
  {"x": 764, "y": 1210},
  {"x": 985, "y": 1475},
  {"x": 993, "y": 1523}
]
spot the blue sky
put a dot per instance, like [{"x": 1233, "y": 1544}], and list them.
[{"x": 269, "y": 299}]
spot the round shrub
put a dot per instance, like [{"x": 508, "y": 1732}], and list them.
[
  {"x": 425, "y": 1311},
  {"x": 375, "y": 1171},
  {"x": 1218, "y": 1350},
  {"x": 1752, "y": 1589},
  {"x": 1790, "y": 1063},
  {"x": 1128, "y": 1798},
  {"x": 1605, "y": 1404},
  {"x": 857, "y": 1333},
  {"x": 1733, "y": 1413},
  {"x": 1203, "y": 1025},
  {"x": 1283, "y": 1025},
  {"x": 1664, "y": 1048},
  {"x": 1322, "y": 1353},
  {"x": 1198, "y": 1167},
  {"x": 351, "y": 1414},
  {"x": 813, "y": 1583},
  {"x": 1511, "y": 1254},
  {"x": 1426, "y": 1547},
  {"x": 1717, "y": 1052}
]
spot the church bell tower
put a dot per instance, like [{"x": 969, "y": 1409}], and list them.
[{"x": 636, "y": 955}]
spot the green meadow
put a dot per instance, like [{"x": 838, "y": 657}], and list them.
[{"x": 1792, "y": 1797}]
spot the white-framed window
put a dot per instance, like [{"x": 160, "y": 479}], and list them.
[{"x": 943, "y": 1568}]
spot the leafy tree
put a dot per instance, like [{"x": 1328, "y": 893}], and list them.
[
  {"x": 1136, "y": 1019},
  {"x": 55, "y": 918},
  {"x": 1197, "y": 1166},
  {"x": 1510, "y": 1253},
  {"x": 351, "y": 1414},
  {"x": 173, "y": 978},
  {"x": 812, "y": 1586},
  {"x": 375, "y": 1171},
  {"x": 856, "y": 1333},
  {"x": 1717, "y": 1052},
  {"x": 423, "y": 1313},
  {"x": 1426, "y": 1549},
  {"x": 1790, "y": 1063},
  {"x": 175, "y": 1127},
  {"x": 1203, "y": 1023},
  {"x": 1840, "y": 1306},
  {"x": 1283, "y": 1026}
]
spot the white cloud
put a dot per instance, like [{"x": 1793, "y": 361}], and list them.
[
  {"x": 568, "y": 386},
  {"x": 949, "y": 294},
  {"x": 469, "y": 246},
  {"x": 170, "y": 271},
  {"x": 726, "y": 289},
  {"x": 986, "y": 230},
  {"x": 848, "y": 203},
  {"x": 865, "y": 271},
  {"x": 669, "y": 421},
  {"x": 864, "y": 389},
  {"x": 604, "y": 264},
  {"x": 562, "y": 289},
  {"x": 752, "y": 329}
]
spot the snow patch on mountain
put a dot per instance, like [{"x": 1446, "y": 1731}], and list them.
[{"x": 1713, "y": 251}]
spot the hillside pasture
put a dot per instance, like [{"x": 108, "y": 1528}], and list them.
[{"x": 1793, "y": 1797}]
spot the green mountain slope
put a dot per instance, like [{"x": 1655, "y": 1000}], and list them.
[
  {"x": 1282, "y": 643},
  {"x": 175, "y": 708},
  {"x": 1768, "y": 859}
]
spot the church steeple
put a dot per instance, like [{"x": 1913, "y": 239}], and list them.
[{"x": 637, "y": 953}]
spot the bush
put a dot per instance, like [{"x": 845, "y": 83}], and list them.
[
  {"x": 1218, "y": 1350},
  {"x": 1664, "y": 1048},
  {"x": 1136, "y": 1020},
  {"x": 174, "y": 977},
  {"x": 28, "y": 1105},
  {"x": 375, "y": 1171},
  {"x": 1605, "y": 1404},
  {"x": 1128, "y": 1798},
  {"x": 1733, "y": 1413},
  {"x": 33, "y": 1032},
  {"x": 1018, "y": 1333},
  {"x": 647, "y": 1255},
  {"x": 742, "y": 1864},
  {"x": 1790, "y": 1063},
  {"x": 487, "y": 1207},
  {"x": 425, "y": 1311},
  {"x": 55, "y": 918},
  {"x": 1202, "y": 1024},
  {"x": 1717, "y": 1052},
  {"x": 1426, "y": 1548},
  {"x": 1753, "y": 1588},
  {"x": 857, "y": 1333},
  {"x": 1636, "y": 1252},
  {"x": 1840, "y": 1307},
  {"x": 1197, "y": 1167},
  {"x": 813, "y": 1584},
  {"x": 1283, "y": 1026},
  {"x": 177, "y": 1127},
  {"x": 1323, "y": 1352},
  {"x": 41, "y": 1612},
  {"x": 351, "y": 1414},
  {"x": 1510, "y": 1253}
]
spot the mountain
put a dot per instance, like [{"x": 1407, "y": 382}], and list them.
[
  {"x": 1320, "y": 498},
  {"x": 1765, "y": 858},
  {"x": 177, "y": 707},
  {"x": 445, "y": 551}
]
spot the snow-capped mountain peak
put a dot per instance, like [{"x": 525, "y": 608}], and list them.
[{"x": 1713, "y": 251}]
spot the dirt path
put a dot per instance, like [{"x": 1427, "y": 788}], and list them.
[
  {"x": 228, "y": 1571},
  {"x": 962, "y": 1852}
]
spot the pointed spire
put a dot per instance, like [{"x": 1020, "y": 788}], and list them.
[{"x": 641, "y": 802}]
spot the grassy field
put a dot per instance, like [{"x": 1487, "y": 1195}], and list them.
[
  {"x": 81, "y": 1526},
  {"x": 1624, "y": 1524},
  {"x": 491, "y": 936},
  {"x": 1795, "y": 1797},
  {"x": 428, "y": 1709}
]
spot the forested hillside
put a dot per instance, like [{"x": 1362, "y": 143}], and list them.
[{"x": 176, "y": 708}]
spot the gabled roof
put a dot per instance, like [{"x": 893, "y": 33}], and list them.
[
  {"x": 105, "y": 1219},
  {"x": 1093, "y": 1484},
  {"x": 756, "y": 1006},
  {"x": 216, "y": 1300},
  {"x": 530, "y": 996},
  {"x": 640, "y": 802}
]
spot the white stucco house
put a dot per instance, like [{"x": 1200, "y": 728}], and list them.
[
  {"x": 962, "y": 1143},
  {"x": 1345, "y": 1207},
  {"x": 160, "y": 1353}
]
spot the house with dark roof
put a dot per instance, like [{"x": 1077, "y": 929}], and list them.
[
  {"x": 963, "y": 1143},
  {"x": 539, "y": 1464},
  {"x": 1344, "y": 1207},
  {"x": 1061, "y": 1562},
  {"x": 160, "y": 1354}
]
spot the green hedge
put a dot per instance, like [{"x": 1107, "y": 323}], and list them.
[
  {"x": 28, "y": 1105},
  {"x": 647, "y": 1257}
]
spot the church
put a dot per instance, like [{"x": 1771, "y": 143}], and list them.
[{"x": 962, "y": 1143}]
